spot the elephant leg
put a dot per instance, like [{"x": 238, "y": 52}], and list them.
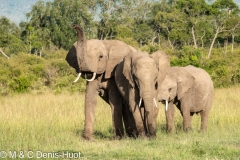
[
  {"x": 90, "y": 105},
  {"x": 204, "y": 120},
  {"x": 135, "y": 110},
  {"x": 129, "y": 122},
  {"x": 170, "y": 117},
  {"x": 156, "y": 110},
  {"x": 204, "y": 114},
  {"x": 138, "y": 121},
  {"x": 116, "y": 103},
  {"x": 143, "y": 115},
  {"x": 185, "y": 110}
]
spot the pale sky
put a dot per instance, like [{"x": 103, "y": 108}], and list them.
[{"x": 16, "y": 11}]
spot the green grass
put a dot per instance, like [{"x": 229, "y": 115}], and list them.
[{"x": 54, "y": 123}]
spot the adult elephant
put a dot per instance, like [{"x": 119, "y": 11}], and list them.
[
  {"x": 137, "y": 79},
  {"x": 95, "y": 60},
  {"x": 191, "y": 90}
]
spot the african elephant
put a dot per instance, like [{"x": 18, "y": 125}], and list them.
[
  {"x": 96, "y": 60},
  {"x": 191, "y": 90},
  {"x": 137, "y": 79}
]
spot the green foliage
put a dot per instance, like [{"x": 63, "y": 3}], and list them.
[
  {"x": 26, "y": 72},
  {"x": 187, "y": 56},
  {"x": 51, "y": 22},
  {"x": 10, "y": 37},
  {"x": 143, "y": 33},
  {"x": 20, "y": 84},
  {"x": 223, "y": 69}
]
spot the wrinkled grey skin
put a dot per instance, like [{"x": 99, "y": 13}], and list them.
[
  {"x": 100, "y": 57},
  {"x": 138, "y": 77},
  {"x": 191, "y": 90}
]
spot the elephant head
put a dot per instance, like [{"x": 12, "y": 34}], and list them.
[
  {"x": 175, "y": 85},
  {"x": 94, "y": 56},
  {"x": 142, "y": 72}
]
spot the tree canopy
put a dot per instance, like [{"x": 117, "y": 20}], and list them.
[{"x": 167, "y": 23}]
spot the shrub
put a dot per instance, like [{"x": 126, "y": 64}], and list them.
[
  {"x": 187, "y": 56},
  {"x": 20, "y": 84},
  {"x": 25, "y": 72}
]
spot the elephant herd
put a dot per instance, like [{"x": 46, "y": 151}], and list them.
[{"x": 132, "y": 82}]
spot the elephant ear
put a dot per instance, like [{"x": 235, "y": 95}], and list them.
[
  {"x": 116, "y": 52},
  {"x": 185, "y": 82},
  {"x": 127, "y": 68},
  {"x": 163, "y": 63},
  {"x": 71, "y": 57}
]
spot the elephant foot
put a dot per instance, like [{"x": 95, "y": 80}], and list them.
[
  {"x": 142, "y": 135},
  {"x": 132, "y": 134},
  {"x": 152, "y": 137},
  {"x": 202, "y": 130},
  {"x": 117, "y": 137},
  {"x": 169, "y": 131},
  {"x": 188, "y": 129},
  {"x": 88, "y": 137},
  {"x": 119, "y": 134}
]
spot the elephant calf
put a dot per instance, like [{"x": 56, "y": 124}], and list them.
[
  {"x": 191, "y": 90},
  {"x": 137, "y": 78}
]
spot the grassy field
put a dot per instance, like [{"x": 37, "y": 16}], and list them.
[{"x": 48, "y": 125}]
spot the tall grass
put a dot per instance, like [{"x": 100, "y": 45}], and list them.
[{"x": 54, "y": 123}]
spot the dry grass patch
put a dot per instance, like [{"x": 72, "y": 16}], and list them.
[{"x": 49, "y": 122}]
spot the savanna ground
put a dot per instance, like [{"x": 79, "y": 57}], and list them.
[{"x": 54, "y": 123}]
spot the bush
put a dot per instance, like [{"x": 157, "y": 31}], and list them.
[
  {"x": 223, "y": 69},
  {"x": 20, "y": 84},
  {"x": 25, "y": 72},
  {"x": 187, "y": 56}
]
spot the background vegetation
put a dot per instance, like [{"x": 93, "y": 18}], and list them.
[{"x": 204, "y": 34}]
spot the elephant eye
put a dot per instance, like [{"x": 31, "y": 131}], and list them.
[
  {"x": 169, "y": 89},
  {"x": 100, "y": 57}
]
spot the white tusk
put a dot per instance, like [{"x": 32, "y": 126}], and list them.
[
  {"x": 79, "y": 75},
  {"x": 154, "y": 100},
  {"x": 166, "y": 105},
  {"x": 94, "y": 75},
  {"x": 140, "y": 102}
]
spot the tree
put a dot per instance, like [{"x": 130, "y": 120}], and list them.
[
  {"x": 132, "y": 14},
  {"x": 10, "y": 36},
  {"x": 52, "y": 21},
  {"x": 221, "y": 10},
  {"x": 3, "y": 53},
  {"x": 195, "y": 11}
]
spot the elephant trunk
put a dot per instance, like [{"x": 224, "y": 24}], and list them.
[
  {"x": 81, "y": 50},
  {"x": 149, "y": 113}
]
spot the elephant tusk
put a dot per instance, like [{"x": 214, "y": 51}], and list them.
[
  {"x": 79, "y": 75},
  {"x": 166, "y": 104},
  {"x": 140, "y": 102},
  {"x": 94, "y": 75},
  {"x": 154, "y": 100}
]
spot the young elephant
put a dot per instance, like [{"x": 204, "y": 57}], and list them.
[
  {"x": 191, "y": 90},
  {"x": 137, "y": 79}
]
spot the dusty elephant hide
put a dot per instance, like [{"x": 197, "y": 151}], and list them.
[
  {"x": 96, "y": 60},
  {"x": 191, "y": 90}
]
